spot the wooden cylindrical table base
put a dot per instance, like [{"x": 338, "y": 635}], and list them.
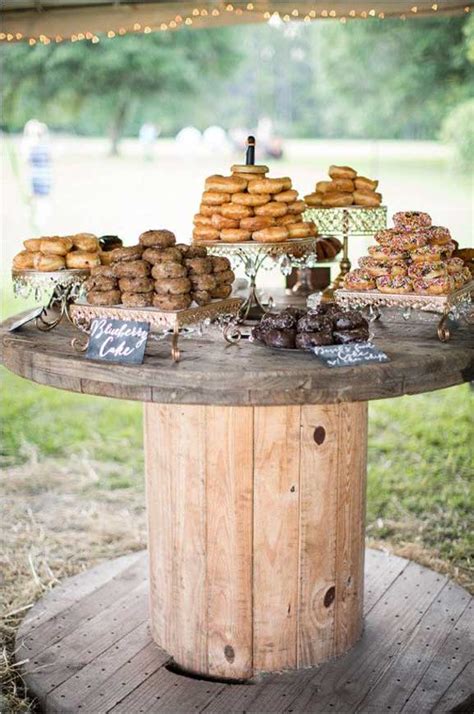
[{"x": 256, "y": 534}]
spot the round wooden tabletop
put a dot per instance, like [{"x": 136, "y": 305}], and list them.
[{"x": 214, "y": 372}]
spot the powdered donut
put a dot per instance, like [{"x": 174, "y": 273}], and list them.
[
  {"x": 234, "y": 235},
  {"x": 274, "y": 234},
  {"x": 251, "y": 199},
  {"x": 266, "y": 185},
  {"x": 215, "y": 198},
  {"x": 172, "y": 286},
  {"x": 236, "y": 211},
  {"x": 172, "y": 302},
  {"x": 225, "y": 184},
  {"x": 137, "y": 299},
  {"x": 168, "y": 270},
  {"x": 411, "y": 220},
  {"x": 272, "y": 209},
  {"x": 136, "y": 285}
]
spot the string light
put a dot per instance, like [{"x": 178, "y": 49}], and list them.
[
  {"x": 434, "y": 7},
  {"x": 111, "y": 34},
  {"x": 188, "y": 21}
]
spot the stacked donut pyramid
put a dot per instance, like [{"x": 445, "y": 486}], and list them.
[
  {"x": 250, "y": 206},
  {"x": 345, "y": 188},
  {"x": 413, "y": 257}
]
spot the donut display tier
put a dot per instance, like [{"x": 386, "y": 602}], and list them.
[
  {"x": 343, "y": 223},
  {"x": 253, "y": 256},
  {"x": 55, "y": 290},
  {"x": 177, "y": 323},
  {"x": 456, "y": 306}
]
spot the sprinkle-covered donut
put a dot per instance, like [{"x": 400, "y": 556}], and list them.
[
  {"x": 359, "y": 280},
  {"x": 397, "y": 285},
  {"x": 386, "y": 253},
  {"x": 406, "y": 241},
  {"x": 427, "y": 270},
  {"x": 441, "y": 285},
  {"x": 455, "y": 265},
  {"x": 438, "y": 235},
  {"x": 430, "y": 253},
  {"x": 373, "y": 267},
  {"x": 411, "y": 220}
]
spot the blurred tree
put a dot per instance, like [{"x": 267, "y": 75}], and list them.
[{"x": 119, "y": 72}]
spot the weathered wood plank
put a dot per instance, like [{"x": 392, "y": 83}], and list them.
[
  {"x": 276, "y": 536},
  {"x": 229, "y": 483},
  {"x": 384, "y": 568}
]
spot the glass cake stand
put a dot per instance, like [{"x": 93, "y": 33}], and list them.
[
  {"x": 297, "y": 253},
  {"x": 343, "y": 223}
]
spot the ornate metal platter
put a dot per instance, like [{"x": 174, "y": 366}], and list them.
[{"x": 165, "y": 322}]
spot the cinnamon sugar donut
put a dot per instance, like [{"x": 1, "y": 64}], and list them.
[
  {"x": 137, "y": 299},
  {"x": 442, "y": 285},
  {"x": 274, "y": 234},
  {"x": 286, "y": 181},
  {"x": 82, "y": 260},
  {"x": 157, "y": 239},
  {"x": 200, "y": 220},
  {"x": 205, "y": 233},
  {"x": 172, "y": 302},
  {"x": 219, "y": 222},
  {"x": 163, "y": 255},
  {"x": 266, "y": 185},
  {"x": 219, "y": 264},
  {"x": 206, "y": 210},
  {"x": 184, "y": 248},
  {"x": 132, "y": 252},
  {"x": 411, "y": 220},
  {"x": 289, "y": 219},
  {"x": 215, "y": 198},
  {"x": 198, "y": 266},
  {"x": 136, "y": 285},
  {"x": 132, "y": 269},
  {"x": 314, "y": 199},
  {"x": 272, "y": 209},
  {"x": 322, "y": 186},
  {"x": 251, "y": 199},
  {"x": 202, "y": 282},
  {"x": 296, "y": 207},
  {"x": 55, "y": 246},
  {"x": 397, "y": 285},
  {"x": 339, "y": 186},
  {"x": 225, "y": 184},
  {"x": 196, "y": 251},
  {"x": 234, "y": 235},
  {"x": 301, "y": 230},
  {"x": 359, "y": 280},
  {"x": 168, "y": 270},
  {"x": 172, "y": 286},
  {"x": 256, "y": 223},
  {"x": 111, "y": 297},
  {"x": 286, "y": 196},
  {"x": 236, "y": 211}
]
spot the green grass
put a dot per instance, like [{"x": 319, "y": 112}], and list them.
[{"x": 420, "y": 455}]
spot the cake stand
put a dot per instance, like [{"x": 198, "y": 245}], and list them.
[
  {"x": 297, "y": 253},
  {"x": 342, "y": 223}
]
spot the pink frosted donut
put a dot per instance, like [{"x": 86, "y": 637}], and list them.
[
  {"x": 441, "y": 285},
  {"x": 437, "y": 235},
  {"x": 411, "y": 220},
  {"x": 398, "y": 285}
]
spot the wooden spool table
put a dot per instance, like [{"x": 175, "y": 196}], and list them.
[{"x": 255, "y": 471}]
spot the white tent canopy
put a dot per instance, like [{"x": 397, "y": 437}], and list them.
[{"x": 55, "y": 20}]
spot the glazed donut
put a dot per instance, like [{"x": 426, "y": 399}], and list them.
[
  {"x": 266, "y": 185},
  {"x": 172, "y": 286},
  {"x": 201, "y": 297},
  {"x": 236, "y": 211},
  {"x": 136, "y": 285},
  {"x": 85, "y": 241},
  {"x": 455, "y": 265},
  {"x": 172, "y": 302},
  {"x": 436, "y": 286},
  {"x": 205, "y": 233},
  {"x": 301, "y": 230},
  {"x": 337, "y": 200},
  {"x": 220, "y": 265},
  {"x": 428, "y": 253},
  {"x": 367, "y": 198},
  {"x": 203, "y": 282},
  {"x": 308, "y": 340},
  {"x": 359, "y": 280},
  {"x": 111, "y": 297},
  {"x": 200, "y": 220},
  {"x": 234, "y": 235},
  {"x": 244, "y": 176},
  {"x": 373, "y": 267},
  {"x": 365, "y": 184},
  {"x": 225, "y": 184},
  {"x": 289, "y": 219},
  {"x": 286, "y": 181},
  {"x": 386, "y": 252},
  {"x": 437, "y": 235},
  {"x": 24, "y": 260},
  {"x": 339, "y": 186},
  {"x": 407, "y": 241},
  {"x": 32, "y": 244},
  {"x": 411, "y": 220},
  {"x": 132, "y": 252},
  {"x": 256, "y": 223},
  {"x": 274, "y": 234},
  {"x": 198, "y": 266},
  {"x": 314, "y": 199},
  {"x": 206, "y": 210},
  {"x": 157, "y": 239},
  {"x": 272, "y": 209},
  {"x": 296, "y": 207},
  {"x": 225, "y": 277},
  {"x": 398, "y": 285},
  {"x": 102, "y": 271},
  {"x": 168, "y": 270},
  {"x": 219, "y": 222},
  {"x": 131, "y": 299},
  {"x": 286, "y": 196},
  {"x": 322, "y": 186},
  {"x": 162, "y": 255},
  {"x": 251, "y": 199},
  {"x": 342, "y": 172},
  {"x": 55, "y": 246},
  {"x": 132, "y": 269},
  {"x": 215, "y": 198},
  {"x": 221, "y": 291},
  {"x": 196, "y": 251},
  {"x": 101, "y": 284},
  {"x": 82, "y": 260},
  {"x": 427, "y": 271}
]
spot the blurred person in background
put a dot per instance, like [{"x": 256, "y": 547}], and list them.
[
  {"x": 147, "y": 136},
  {"x": 36, "y": 151}
]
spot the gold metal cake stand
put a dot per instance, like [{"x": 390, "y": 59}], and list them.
[
  {"x": 455, "y": 306},
  {"x": 343, "y": 223},
  {"x": 164, "y": 322},
  {"x": 297, "y": 253}
]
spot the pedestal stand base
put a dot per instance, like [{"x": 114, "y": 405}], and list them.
[{"x": 86, "y": 647}]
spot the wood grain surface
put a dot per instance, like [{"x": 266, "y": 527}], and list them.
[
  {"x": 213, "y": 372},
  {"x": 414, "y": 655}
]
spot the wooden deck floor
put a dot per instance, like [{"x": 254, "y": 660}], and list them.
[{"x": 88, "y": 649}]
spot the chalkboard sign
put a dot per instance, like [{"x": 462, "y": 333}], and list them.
[
  {"x": 349, "y": 355},
  {"x": 117, "y": 340},
  {"x": 24, "y": 319}
]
